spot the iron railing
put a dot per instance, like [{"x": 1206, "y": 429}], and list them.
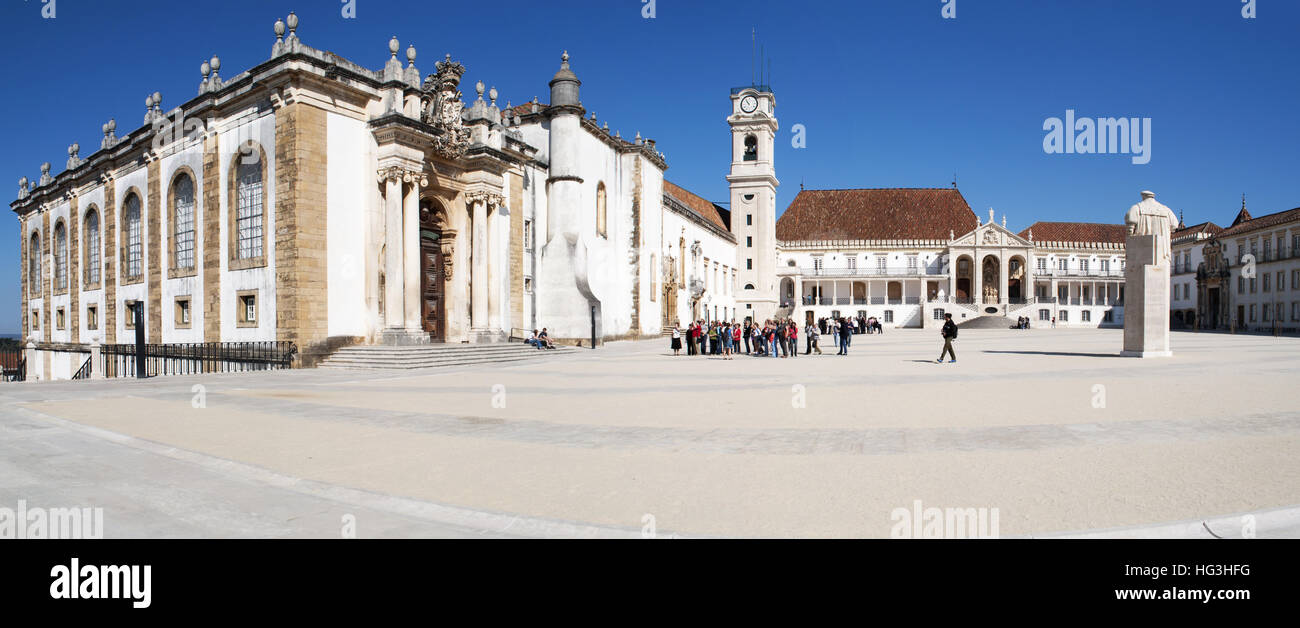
[
  {"x": 201, "y": 357},
  {"x": 84, "y": 371}
]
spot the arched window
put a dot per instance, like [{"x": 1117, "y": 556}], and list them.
[
  {"x": 60, "y": 257},
  {"x": 751, "y": 148},
  {"x": 248, "y": 211},
  {"x": 34, "y": 265},
  {"x": 183, "y": 222},
  {"x": 131, "y": 223},
  {"x": 600, "y": 209},
  {"x": 92, "y": 247},
  {"x": 749, "y": 286}
]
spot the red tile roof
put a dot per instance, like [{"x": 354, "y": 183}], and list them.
[
  {"x": 1077, "y": 232},
  {"x": 1205, "y": 227},
  {"x": 704, "y": 208},
  {"x": 1263, "y": 222},
  {"x": 876, "y": 214}
]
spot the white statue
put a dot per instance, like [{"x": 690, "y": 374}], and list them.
[{"x": 1154, "y": 219}]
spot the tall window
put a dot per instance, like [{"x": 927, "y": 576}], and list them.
[
  {"x": 248, "y": 210},
  {"x": 751, "y": 148},
  {"x": 60, "y": 257},
  {"x": 34, "y": 264},
  {"x": 92, "y": 247},
  {"x": 600, "y": 209},
  {"x": 183, "y": 219},
  {"x": 131, "y": 220}
]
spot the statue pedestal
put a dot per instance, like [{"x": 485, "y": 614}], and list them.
[{"x": 1146, "y": 301}]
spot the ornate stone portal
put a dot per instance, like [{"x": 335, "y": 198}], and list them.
[{"x": 1147, "y": 249}]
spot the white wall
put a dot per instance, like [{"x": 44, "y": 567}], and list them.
[{"x": 351, "y": 165}]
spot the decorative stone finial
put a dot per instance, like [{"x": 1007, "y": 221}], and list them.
[
  {"x": 157, "y": 100},
  {"x": 394, "y": 46},
  {"x": 1004, "y": 221},
  {"x": 293, "y": 25},
  {"x": 46, "y": 179},
  {"x": 410, "y": 55},
  {"x": 22, "y": 187},
  {"x": 1148, "y": 194},
  {"x": 109, "y": 139},
  {"x": 564, "y": 59},
  {"x": 216, "y": 64},
  {"x": 478, "y": 88},
  {"x": 492, "y": 95},
  {"x": 73, "y": 159},
  {"x": 279, "y": 30},
  {"x": 205, "y": 69}
]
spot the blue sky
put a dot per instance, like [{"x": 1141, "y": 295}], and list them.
[{"x": 891, "y": 94}]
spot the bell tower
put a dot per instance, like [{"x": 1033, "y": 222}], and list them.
[{"x": 753, "y": 198}]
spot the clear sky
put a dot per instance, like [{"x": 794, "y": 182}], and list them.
[{"x": 891, "y": 93}]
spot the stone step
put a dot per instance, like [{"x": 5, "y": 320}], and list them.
[{"x": 433, "y": 356}]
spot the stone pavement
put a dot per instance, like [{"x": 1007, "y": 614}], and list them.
[{"x": 1047, "y": 426}]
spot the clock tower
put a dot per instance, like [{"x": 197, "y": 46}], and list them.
[{"x": 753, "y": 199}]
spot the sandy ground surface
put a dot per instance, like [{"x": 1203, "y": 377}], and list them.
[{"x": 1047, "y": 426}]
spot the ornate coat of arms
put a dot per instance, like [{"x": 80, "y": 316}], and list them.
[{"x": 443, "y": 108}]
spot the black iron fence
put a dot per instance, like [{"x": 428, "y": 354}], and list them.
[{"x": 194, "y": 358}]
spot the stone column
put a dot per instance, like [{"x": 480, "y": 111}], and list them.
[
  {"x": 394, "y": 306},
  {"x": 1004, "y": 279},
  {"x": 96, "y": 370},
  {"x": 494, "y": 263},
  {"x": 411, "y": 253},
  {"x": 479, "y": 264},
  {"x": 977, "y": 284}
]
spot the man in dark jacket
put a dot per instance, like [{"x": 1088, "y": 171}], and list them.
[{"x": 949, "y": 335}]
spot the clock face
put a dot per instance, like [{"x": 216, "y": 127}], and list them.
[{"x": 748, "y": 104}]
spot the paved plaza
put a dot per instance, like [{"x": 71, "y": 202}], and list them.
[{"x": 1048, "y": 426}]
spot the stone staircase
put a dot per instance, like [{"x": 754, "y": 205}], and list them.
[{"x": 435, "y": 356}]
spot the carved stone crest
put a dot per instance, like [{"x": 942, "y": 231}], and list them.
[{"x": 444, "y": 107}]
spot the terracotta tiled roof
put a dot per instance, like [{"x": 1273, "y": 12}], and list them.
[
  {"x": 707, "y": 210},
  {"x": 876, "y": 214},
  {"x": 1076, "y": 232},
  {"x": 1263, "y": 222},
  {"x": 1205, "y": 227},
  {"x": 524, "y": 109}
]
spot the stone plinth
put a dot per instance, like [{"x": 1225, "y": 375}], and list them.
[{"x": 1146, "y": 300}]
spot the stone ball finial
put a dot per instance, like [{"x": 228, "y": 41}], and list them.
[
  {"x": 157, "y": 98},
  {"x": 478, "y": 88},
  {"x": 104, "y": 128},
  {"x": 22, "y": 182},
  {"x": 293, "y": 24},
  {"x": 394, "y": 46},
  {"x": 279, "y": 28},
  {"x": 112, "y": 125},
  {"x": 45, "y": 168},
  {"x": 205, "y": 69},
  {"x": 565, "y": 57},
  {"x": 492, "y": 94},
  {"x": 148, "y": 101},
  {"x": 216, "y": 64},
  {"x": 410, "y": 54}
]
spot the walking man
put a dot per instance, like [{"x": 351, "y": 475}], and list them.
[{"x": 949, "y": 335}]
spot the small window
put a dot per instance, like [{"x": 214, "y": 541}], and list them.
[
  {"x": 749, "y": 241},
  {"x": 1108, "y": 316},
  {"x": 749, "y": 219},
  {"x": 600, "y": 210},
  {"x": 749, "y": 286},
  {"x": 1065, "y": 315},
  {"x": 1044, "y": 315},
  {"x": 528, "y": 235},
  {"x": 128, "y": 314},
  {"x": 92, "y": 317},
  {"x": 182, "y": 313},
  {"x": 60, "y": 319},
  {"x": 889, "y": 316},
  {"x": 1086, "y": 316},
  {"x": 749, "y": 264},
  {"x": 938, "y": 314},
  {"x": 247, "y": 314},
  {"x": 751, "y": 148},
  {"x": 528, "y": 285}
]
